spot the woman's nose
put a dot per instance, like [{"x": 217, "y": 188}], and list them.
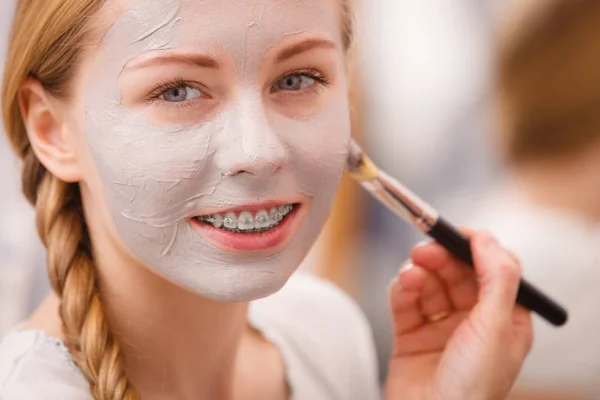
[{"x": 249, "y": 144}]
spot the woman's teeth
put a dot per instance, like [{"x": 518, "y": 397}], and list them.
[{"x": 247, "y": 222}]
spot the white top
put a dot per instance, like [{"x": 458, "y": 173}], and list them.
[
  {"x": 324, "y": 339},
  {"x": 560, "y": 254}
]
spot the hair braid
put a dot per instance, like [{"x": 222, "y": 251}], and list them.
[
  {"x": 73, "y": 277},
  {"x": 46, "y": 39}
]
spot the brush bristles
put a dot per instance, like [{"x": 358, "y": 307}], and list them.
[
  {"x": 359, "y": 165},
  {"x": 355, "y": 155}
]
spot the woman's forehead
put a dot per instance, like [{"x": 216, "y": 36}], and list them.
[{"x": 237, "y": 24}]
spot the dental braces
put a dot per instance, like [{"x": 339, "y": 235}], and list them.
[
  {"x": 228, "y": 221},
  {"x": 275, "y": 217}
]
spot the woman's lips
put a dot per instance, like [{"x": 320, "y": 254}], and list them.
[{"x": 269, "y": 239}]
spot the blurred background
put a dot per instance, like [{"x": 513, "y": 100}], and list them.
[
  {"x": 23, "y": 281},
  {"x": 490, "y": 110}
]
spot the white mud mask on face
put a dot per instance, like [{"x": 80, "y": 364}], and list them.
[{"x": 155, "y": 177}]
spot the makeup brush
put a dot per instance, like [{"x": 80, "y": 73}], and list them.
[{"x": 407, "y": 205}]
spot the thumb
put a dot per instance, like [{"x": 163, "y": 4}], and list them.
[{"x": 499, "y": 275}]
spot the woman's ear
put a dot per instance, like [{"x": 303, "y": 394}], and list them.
[{"x": 48, "y": 131}]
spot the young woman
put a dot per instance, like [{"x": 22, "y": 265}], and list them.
[{"x": 182, "y": 157}]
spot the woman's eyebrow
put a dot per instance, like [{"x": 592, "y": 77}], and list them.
[
  {"x": 199, "y": 60},
  {"x": 205, "y": 61},
  {"x": 302, "y": 47}
]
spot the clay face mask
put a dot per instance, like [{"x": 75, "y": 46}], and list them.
[{"x": 161, "y": 165}]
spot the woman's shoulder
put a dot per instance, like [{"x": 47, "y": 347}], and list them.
[
  {"x": 324, "y": 331},
  {"x": 36, "y": 366}
]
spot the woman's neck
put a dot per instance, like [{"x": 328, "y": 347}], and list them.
[
  {"x": 571, "y": 185},
  {"x": 177, "y": 344}
]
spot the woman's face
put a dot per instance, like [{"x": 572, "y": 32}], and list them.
[{"x": 217, "y": 132}]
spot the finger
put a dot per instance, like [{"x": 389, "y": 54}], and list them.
[
  {"x": 513, "y": 256},
  {"x": 429, "y": 338},
  {"x": 429, "y": 255},
  {"x": 415, "y": 294},
  {"x": 461, "y": 284},
  {"x": 499, "y": 275},
  {"x": 405, "y": 293},
  {"x": 460, "y": 281},
  {"x": 523, "y": 330},
  {"x": 434, "y": 297}
]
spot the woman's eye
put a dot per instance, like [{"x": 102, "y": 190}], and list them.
[
  {"x": 180, "y": 94},
  {"x": 295, "y": 82}
]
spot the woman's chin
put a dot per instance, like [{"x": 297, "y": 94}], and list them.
[{"x": 257, "y": 286}]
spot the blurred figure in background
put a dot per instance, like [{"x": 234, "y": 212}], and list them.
[{"x": 548, "y": 209}]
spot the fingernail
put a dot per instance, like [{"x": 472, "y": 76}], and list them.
[
  {"x": 423, "y": 243},
  {"x": 407, "y": 266},
  {"x": 489, "y": 241}
]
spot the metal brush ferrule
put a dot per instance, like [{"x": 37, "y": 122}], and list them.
[{"x": 402, "y": 201}]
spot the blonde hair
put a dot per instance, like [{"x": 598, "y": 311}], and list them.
[{"x": 46, "y": 41}]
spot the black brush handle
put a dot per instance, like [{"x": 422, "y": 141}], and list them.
[{"x": 528, "y": 296}]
